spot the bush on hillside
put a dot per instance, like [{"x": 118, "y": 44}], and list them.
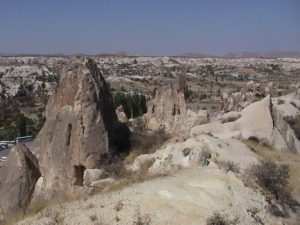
[{"x": 273, "y": 179}]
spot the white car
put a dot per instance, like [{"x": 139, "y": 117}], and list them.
[{"x": 3, "y": 159}]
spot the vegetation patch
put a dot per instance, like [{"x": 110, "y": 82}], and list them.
[
  {"x": 228, "y": 166},
  {"x": 273, "y": 179},
  {"x": 218, "y": 219}
]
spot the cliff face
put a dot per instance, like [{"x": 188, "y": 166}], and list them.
[
  {"x": 168, "y": 110},
  {"x": 79, "y": 131}
]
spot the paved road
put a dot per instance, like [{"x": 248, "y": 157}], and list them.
[
  {"x": 4, "y": 152},
  {"x": 7, "y": 151}
]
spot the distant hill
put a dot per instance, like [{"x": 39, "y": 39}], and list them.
[
  {"x": 274, "y": 54},
  {"x": 196, "y": 55},
  {"x": 122, "y": 54}
]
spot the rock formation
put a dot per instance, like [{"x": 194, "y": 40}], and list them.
[
  {"x": 239, "y": 100},
  {"x": 168, "y": 110},
  {"x": 121, "y": 114},
  {"x": 261, "y": 120},
  {"x": 79, "y": 131},
  {"x": 17, "y": 180}
]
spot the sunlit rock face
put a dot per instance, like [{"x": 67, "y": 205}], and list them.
[{"x": 78, "y": 133}]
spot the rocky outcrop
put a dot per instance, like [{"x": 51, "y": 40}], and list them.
[
  {"x": 17, "y": 180},
  {"x": 199, "y": 151},
  {"x": 168, "y": 110},
  {"x": 261, "y": 120},
  {"x": 239, "y": 100},
  {"x": 285, "y": 131},
  {"x": 121, "y": 114},
  {"x": 92, "y": 175},
  {"x": 79, "y": 132}
]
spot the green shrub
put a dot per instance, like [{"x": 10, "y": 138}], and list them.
[
  {"x": 218, "y": 219},
  {"x": 273, "y": 179}
]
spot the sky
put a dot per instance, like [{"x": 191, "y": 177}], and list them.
[{"x": 148, "y": 27}]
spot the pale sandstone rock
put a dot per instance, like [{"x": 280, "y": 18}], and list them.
[
  {"x": 121, "y": 114},
  {"x": 197, "y": 157},
  {"x": 141, "y": 160},
  {"x": 239, "y": 100},
  {"x": 195, "y": 152},
  {"x": 101, "y": 184},
  {"x": 194, "y": 119},
  {"x": 187, "y": 197},
  {"x": 17, "y": 180},
  {"x": 39, "y": 191},
  {"x": 229, "y": 117},
  {"x": 79, "y": 130},
  {"x": 168, "y": 111},
  {"x": 260, "y": 119},
  {"x": 92, "y": 175}
]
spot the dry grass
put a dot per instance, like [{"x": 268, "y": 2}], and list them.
[
  {"x": 280, "y": 101},
  {"x": 141, "y": 219},
  {"x": 289, "y": 158},
  {"x": 145, "y": 143},
  {"x": 119, "y": 206},
  {"x": 39, "y": 205},
  {"x": 227, "y": 166},
  {"x": 272, "y": 178},
  {"x": 90, "y": 206},
  {"x": 93, "y": 218},
  {"x": 127, "y": 178},
  {"x": 218, "y": 219}
]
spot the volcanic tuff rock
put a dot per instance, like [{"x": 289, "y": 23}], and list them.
[
  {"x": 121, "y": 114},
  {"x": 239, "y": 100},
  {"x": 168, "y": 110},
  {"x": 79, "y": 131},
  {"x": 261, "y": 120},
  {"x": 17, "y": 180}
]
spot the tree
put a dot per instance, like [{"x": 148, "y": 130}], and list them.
[
  {"x": 21, "y": 124},
  {"x": 143, "y": 104},
  {"x": 154, "y": 92}
]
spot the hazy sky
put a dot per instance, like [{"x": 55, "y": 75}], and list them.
[{"x": 149, "y": 27}]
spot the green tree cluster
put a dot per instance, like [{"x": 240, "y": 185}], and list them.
[
  {"x": 12, "y": 126},
  {"x": 133, "y": 105}
]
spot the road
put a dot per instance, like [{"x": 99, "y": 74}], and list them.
[{"x": 4, "y": 152}]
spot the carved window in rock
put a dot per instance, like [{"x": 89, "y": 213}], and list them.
[
  {"x": 174, "y": 110},
  {"x": 153, "y": 108},
  {"x": 78, "y": 173},
  {"x": 68, "y": 134}
]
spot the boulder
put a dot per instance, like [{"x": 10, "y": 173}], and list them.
[
  {"x": 141, "y": 160},
  {"x": 194, "y": 119},
  {"x": 92, "y": 175},
  {"x": 199, "y": 151},
  {"x": 18, "y": 176},
  {"x": 197, "y": 157},
  {"x": 101, "y": 184},
  {"x": 229, "y": 117}
]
